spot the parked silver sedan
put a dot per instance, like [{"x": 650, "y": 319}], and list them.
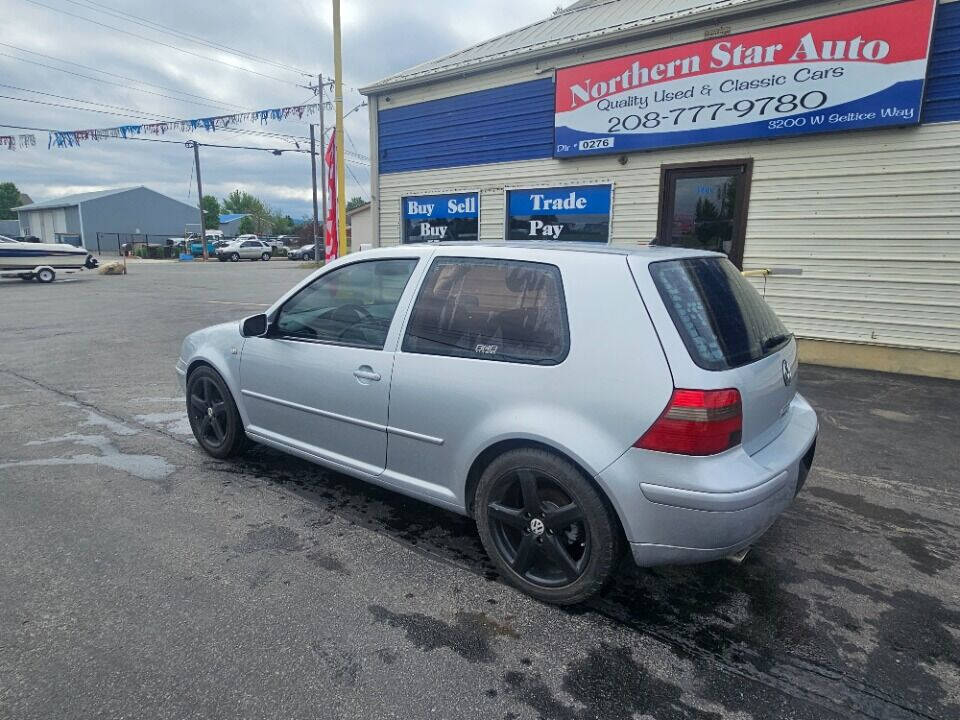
[{"x": 575, "y": 401}]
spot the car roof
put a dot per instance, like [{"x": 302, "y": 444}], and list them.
[{"x": 644, "y": 253}]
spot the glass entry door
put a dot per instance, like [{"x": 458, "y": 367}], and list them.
[{"x": 704, "y": 207}]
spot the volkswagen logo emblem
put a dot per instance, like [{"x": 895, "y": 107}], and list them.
[
  {"x": 537, "y": 527},
  {"x": 787, "y": 377}
]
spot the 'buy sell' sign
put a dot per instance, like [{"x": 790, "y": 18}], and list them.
[{"x": 856, "y": 70}]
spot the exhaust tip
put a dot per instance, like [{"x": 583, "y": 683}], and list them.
[{"x": 737, "y": 558}]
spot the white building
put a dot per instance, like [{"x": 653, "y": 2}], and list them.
[
  {"x": 359, "y": 226},
  {"x": 819, "y": 139}
]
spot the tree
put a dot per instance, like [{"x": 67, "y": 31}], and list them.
[
  {"x": 211, "y": 213},
  {"x": 9, "y": 198},
  {"x": 247, "y": 226},
  {"x": 282, "y": 224},
  {"x": 242, "y": 202},
  {"x": 355, "y": 202}
]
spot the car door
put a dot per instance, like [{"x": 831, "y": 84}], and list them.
[
  {"x": 485, "y": 338},
  {"x": 250, "y": 249},
  {"x": 319, "y": 380}
]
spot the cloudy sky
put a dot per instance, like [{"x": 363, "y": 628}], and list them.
[{"x": 132, "y": 71}]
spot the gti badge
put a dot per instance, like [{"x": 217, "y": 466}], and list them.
[{"x": 787, "y": 377}]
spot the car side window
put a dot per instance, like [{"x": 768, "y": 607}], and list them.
[
  {"x": 489, "y": 309},
  {"x": 250, "y": 243},
  {"x": 353, "y": 305}
]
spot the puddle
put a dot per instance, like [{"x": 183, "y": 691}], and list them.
[
  {"x": 97, "y": 420},
  {"x": 271, "y": 537},
  {"x": 469, "y": 636},
  {"x": 146, "y": 467},
  {"x": 894, "y": 415}
]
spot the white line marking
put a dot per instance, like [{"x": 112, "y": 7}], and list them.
[{"x": 228, "y": 302}]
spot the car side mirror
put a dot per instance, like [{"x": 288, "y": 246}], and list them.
[{"x": 254, "y": 326}]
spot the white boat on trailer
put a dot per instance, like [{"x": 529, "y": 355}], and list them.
[{"x": 41, "y": 261}]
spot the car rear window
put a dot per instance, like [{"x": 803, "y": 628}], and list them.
[
  {"x": 504, "y": 310},
  {"x": 722, "y": 319}
]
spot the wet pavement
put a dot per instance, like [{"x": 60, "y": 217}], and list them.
[{"x": 139, "y": 577}]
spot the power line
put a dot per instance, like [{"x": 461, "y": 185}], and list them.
[
  {"x": 356, "y": 181},
  {"x": 64, "y": 97},
  {"x": 215, "y": 103},
  {"x": 274, "y": 151},
  {"x": 133, "y": 113},
  {"x": 153, "y": 25},
  {"x": 159, "y": 42}
]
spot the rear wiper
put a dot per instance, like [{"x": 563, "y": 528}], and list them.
[{"x": 775, "y": 341}]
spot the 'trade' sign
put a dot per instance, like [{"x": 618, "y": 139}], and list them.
[
  {"x": 580, "y": 213},
  {"x": 856, "y": 70}
]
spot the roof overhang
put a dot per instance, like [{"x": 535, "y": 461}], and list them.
[{"x": 43, "y": 206}]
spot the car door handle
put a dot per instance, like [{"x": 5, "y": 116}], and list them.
[{"x": 365, "y": 372}]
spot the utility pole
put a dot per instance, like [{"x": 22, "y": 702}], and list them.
[
  {"x": 323, "y": 177},
  {"x": 313, "y": 174},
  {"x": 338, "y": 103},
  {"x": 203, "y": 234}
]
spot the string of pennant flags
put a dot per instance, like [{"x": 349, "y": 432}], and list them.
[
  {"x": 13, "y": 142},
  {"x": 73, "y": 138}
]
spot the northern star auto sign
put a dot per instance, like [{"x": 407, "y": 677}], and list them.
[{"x": 850, "y": 71}]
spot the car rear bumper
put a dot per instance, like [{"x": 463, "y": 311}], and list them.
[{"x": 678, "y": 509}]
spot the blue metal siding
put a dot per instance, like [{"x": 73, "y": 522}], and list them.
[
  {"x": 502, "y": 124},
  {"x": 515, "y": 122},
  {"x": 942, "y": 99}
]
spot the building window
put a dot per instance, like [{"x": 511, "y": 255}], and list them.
[
  {"x": 432, "y": 218},
  {"x": 704, "y": 206},
  {"x": 574, "y": 214}
]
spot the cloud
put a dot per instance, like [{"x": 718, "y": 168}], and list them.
[{"x": 380, "y": 37}]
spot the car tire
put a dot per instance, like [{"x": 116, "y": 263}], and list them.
[
  {"x": 221, "y": 258},
  {"x": 45, "y": 275},
  {"x": 235, "y": 257},
  {"x": 265, "y": 257},
  {"x": 213, "y": 414},
  {"x": 523, "y": 502}
]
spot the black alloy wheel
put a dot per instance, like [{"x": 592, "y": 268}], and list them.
[
  {"x": 213, "y": 415},
  {"x": 539, "y": 529},
  {"x": 546, "y": 526}
]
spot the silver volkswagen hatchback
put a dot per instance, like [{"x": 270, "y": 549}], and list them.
[{"x": 575, "y": 401}]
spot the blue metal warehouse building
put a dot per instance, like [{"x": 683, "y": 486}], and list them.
[{"x": 100, "y": 221}]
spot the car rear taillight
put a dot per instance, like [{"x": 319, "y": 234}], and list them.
[{"x": 696, "y": 422}]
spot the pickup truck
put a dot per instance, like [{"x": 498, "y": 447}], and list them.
[{"x": 196, "y": 247}]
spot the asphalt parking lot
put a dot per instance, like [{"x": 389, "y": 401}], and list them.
[{"x": 141, "y": 578}]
